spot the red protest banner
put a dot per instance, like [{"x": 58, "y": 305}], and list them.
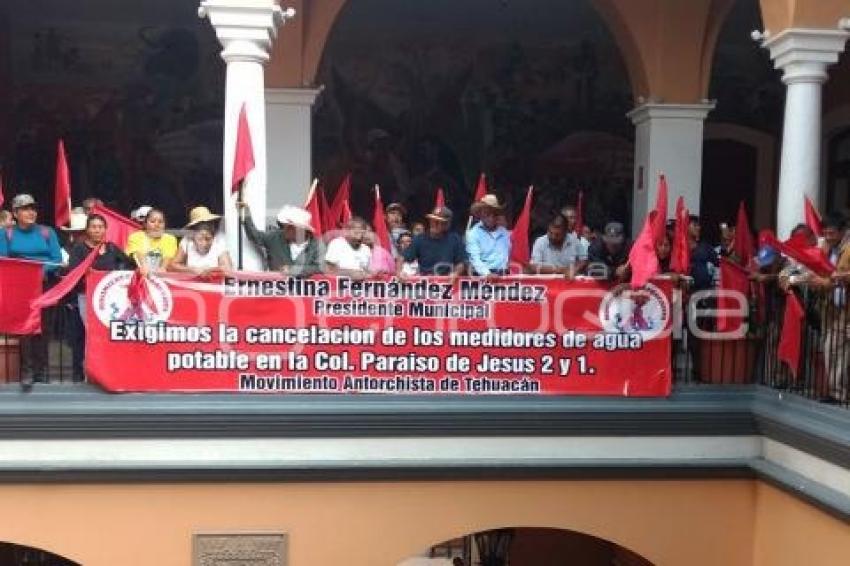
[
  {"x": 267, "y": 333},
  {"x": 20, "y": 283}
]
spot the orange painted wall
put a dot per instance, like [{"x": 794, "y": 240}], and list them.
[
  {"x": 789, "y": 532},
  {"x": 379, "y": 523}
]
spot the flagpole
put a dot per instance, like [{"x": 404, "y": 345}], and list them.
[
  {"x": 241, "y": 226},
  {"x": 312, "y": 190}
]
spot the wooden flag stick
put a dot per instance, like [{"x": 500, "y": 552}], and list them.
[{"x": 241, "y": 226}]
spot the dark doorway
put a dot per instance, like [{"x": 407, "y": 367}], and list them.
[
  {"x": 728, "y": 177},
  {"x": 19, "y": 555},
  {"x": 529, "y": 546},
  {"x": 838, "y": 175}
]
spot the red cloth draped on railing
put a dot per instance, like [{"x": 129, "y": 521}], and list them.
[
  {"x": 20, "y": 284},
  {"x": 55, "y": 294}
]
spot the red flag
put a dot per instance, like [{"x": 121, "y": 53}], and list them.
[
  {"x": 325, "y": 209},
  {"x": 340, "y": 211},
  {"x": 20, "y": 283},
  {"x": 62, "y": 188},
  {"x": 659, "y": 222},
  {"x": 680, "y": 254},
  {"x": 520, "y": 252},
  {"x": 118, "y": 227},
  {"x": 580, "y": 213},
  {"x": 480, "y": 191},
  {"x": 53, "y": 295},
  {"x": 788, "y": 350},
  {"x": 642, "y": 257},
  {"x": 480, "y": 188},
  {"x": 733, "y": 277},
  {"x": 139, "y": 295},
  {"x": 743, "y": 245},
  {"x": 813, "y": 219},
  {"x": 243, "y": 157},
  {"x": 312, "y": 206},
  {"x": 798, "y": 248},
  {"x": 440, "y": 199},
  {"x": 379, "y": 223}
]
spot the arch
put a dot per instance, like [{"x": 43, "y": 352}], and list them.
[
  {"x": 319, "y": 18},
  {"x": 781, "y": 14},
  {"x": 716, "y": 18},
  {"x": 626, "y": 40},
  {"x": 526, "y": 545},
  {"x": 765, "y": 146}
]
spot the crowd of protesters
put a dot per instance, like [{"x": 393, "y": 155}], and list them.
[{"x": 428, "y": 248}]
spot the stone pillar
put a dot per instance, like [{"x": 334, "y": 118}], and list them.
[
  {"x": 668, "y": 139},
  {"x": 803, "y": 55},
  {"x": 289, "y": 142},
  {"x": 245, "y": 29}
]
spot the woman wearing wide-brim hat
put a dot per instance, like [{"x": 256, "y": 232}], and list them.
[{"x": 202, "y": 251}]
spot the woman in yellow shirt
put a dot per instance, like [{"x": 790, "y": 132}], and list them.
[{"x": 151, "y": 248}]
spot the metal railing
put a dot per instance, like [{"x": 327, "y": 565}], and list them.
[{"x": 823, "y": 373}]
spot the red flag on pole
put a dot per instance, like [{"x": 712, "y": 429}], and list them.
[
  {"x": 520, "y": 252},
  {"x": 243, "y": 157},
  {"x": 643, "y": 259},
  {"x": 480, "y": 191},
  {"x": 346, "y": 213},
  {"x": 118, "y": 227},
  {"x": 580, "y": 213},
  {"x": 139, "y": 295},
  {"x": 440, "y": 199},
  {"x": 813, "y": 219},
  {"x": 340, "y": 211},
  {"x": 659, "y": 220},
  {"x": 53, "y": 295},
  {"x": 312, "y": 206},
  {"x": 680, "y": 255},
  {"x": 379, "y": 223},
  {"x": 480, "y": 188},
  {"x": 743, "y": 245},
  {"x": 735, "y": 278},
  {"x": 62, "y": 188},
  {"x": 20, "y": 284},
  {"x": 798, "y": 249},
  {"x": 325, "y": 210},
  {"x": 788, "y": 350}
]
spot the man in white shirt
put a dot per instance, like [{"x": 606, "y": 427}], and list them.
[
  {"x": 347, "y": 254},
  {"x": 558, "y": 251}
]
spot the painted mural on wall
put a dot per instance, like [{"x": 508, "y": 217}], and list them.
[
  {"x": 137, "y": 102},
  {"x": 534, "y": 93}
]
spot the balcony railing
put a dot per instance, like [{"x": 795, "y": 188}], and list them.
[{"x": 752, "y": 359}]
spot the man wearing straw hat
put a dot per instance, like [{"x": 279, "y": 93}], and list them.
[
  {"x": 290, "y": 249},
  {"x": 488, "y": 244}
]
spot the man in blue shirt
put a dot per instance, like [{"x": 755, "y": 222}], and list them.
[
  {"x": 438, "y": 251},
  {"x": 488, "y": 245},
  {"x": 29, "y": 240}
]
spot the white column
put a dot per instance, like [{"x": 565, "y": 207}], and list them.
[
  {"x": 289, "y": 120},
  {"x": 803, "y": 55},
  {"x": 245, "y": 29},
  {"x": 668, "y": 139}
]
